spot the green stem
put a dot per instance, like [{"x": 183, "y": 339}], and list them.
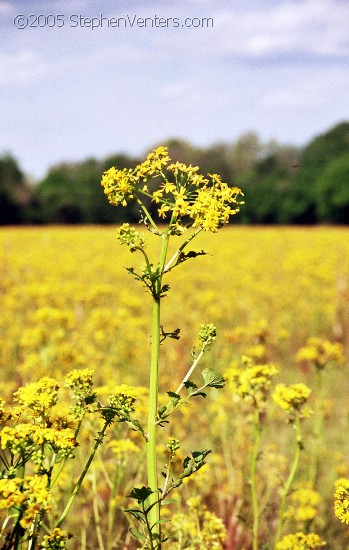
[
  {"x": 318, "y": 425},
  {"x": 154, "y": 514},
  {"x": 147, "y": 215},
  {"x": 192, "y": 368},
  {"x": 253, "y": 476},
  {"x": 83, "y": 474},
  {"x": 289, "y": 481},
  {"x": 170, "y": 265}
]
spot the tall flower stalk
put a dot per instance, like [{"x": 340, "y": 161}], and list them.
[
  {"x": 172, "y": 198},
  {"x": 293, "y": 400}
]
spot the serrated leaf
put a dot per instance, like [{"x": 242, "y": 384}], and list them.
[
  {"x": 140, "y": 493},
  {"x": 199, "y": 456},
  {"x": 190, "y": 385},
  {"x": 175, "y": 398},
  {"x": 173, "y": 395},
  {"x": 212, "y": 379},
  {"x": 193, "y": 463}
]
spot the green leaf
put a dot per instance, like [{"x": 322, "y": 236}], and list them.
[
  {"x": 175, "y": 398},
  {"x": 164, "y": 289},
  {"x": 188, "y": 255},
  {"x": 203, "y": 394},
  {"x": 138, "y": 426},
  {"x": 137, "y": 534},
  {"x": 199, "y": 456},
  {"x": 161, "y": 521},
  {"x": 192, "y": 464},
  {"x": 138, "y": 514},
  {"x": 212, "y": 379},
  {"x": 190, "y": 385},
  {"x": 140, "y": 493},
  {"x": 90, "y": 399}
]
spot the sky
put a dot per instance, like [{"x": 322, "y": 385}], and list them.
[{"x": 81, "y": 78}]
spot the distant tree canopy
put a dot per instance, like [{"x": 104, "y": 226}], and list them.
[
  {"x": 17, "y": 199},
  {"x": 282, "y": 184}
]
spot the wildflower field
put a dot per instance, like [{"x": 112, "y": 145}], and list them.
[{"x": 71, "y": 317}]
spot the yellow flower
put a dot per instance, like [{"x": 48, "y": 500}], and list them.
[
  {"x": 320, "y": 353},
  {"x": 129, "y": 236},
  {"x": 30, "y": 495},
  {"x": 293, "y": 399},
  {"x": 341, "y": 495},
  {"x": 80, "y": 382},
  {"x": 39, "y": 396},
  {"x": 208, "y": 202},
  {"x": 249, "y": 380},
  {"x": 122, "y": 399},
  {"x": 121, "y": 448},
  {"x": 163, "y": 210},
  {"x": 305, "y": 502},
  {"x": 300, "y": 541},
  {"x": 56, "y": 540},
  {"x": 119, "y": 186}
]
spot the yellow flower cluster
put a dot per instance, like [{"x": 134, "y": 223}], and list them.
[
  {"x": 28, "y": 439},
  {"x": 199, "y": 528},
  {"x": 249, "y": 380},
  {"x": 300, "y": 541},
  {"x": 129, "y": 236},
  {"x": 122, "y": 448},
  {"x": 55, "y": 540},
  {"x": 206, "y": 201},
  {"x": 123, "y": 398},
  {"x": 293, "y": 399},
  {"x": 80, "y": 382},
  {"x": 39, "y": 396},
  {"x": 207, "y": 333},
  {"x": 341, "y": 495},
  {"x": 30, "y": 495},
  {"x": 320, "y": 353},
  {"x": 304, "y": 502}
]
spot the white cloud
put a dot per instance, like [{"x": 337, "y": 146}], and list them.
[
  {"x": 271, "y": 31},
  {"x": 21, "y": 68},
  {"x": 313, "y": 93}
]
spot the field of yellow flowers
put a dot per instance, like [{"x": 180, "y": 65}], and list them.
[{"x": 277, "y": 295}]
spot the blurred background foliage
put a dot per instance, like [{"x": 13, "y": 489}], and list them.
[{"x": 282, "y": 184}]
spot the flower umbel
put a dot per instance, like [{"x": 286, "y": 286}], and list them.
[{"x": 181, "y": 192}]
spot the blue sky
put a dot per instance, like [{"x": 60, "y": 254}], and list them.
[{"x": 68, "y": 92}]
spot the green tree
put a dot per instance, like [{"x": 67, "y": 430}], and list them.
[
  {"x": 70, "y": 193},
  {"x": 17, "y": 198},
  {"x": 332, "y": 196},
  {"x": 268, "y": 186},
  {"x": 314, "y": 159}
]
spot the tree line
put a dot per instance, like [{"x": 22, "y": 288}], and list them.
[{"x": 282, "y": 184}]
